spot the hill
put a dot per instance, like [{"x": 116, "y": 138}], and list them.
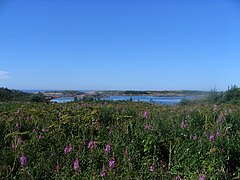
[{"x": 13, "y": 95}]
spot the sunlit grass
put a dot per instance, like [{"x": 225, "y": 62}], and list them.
[{"x": 117, "y": 140}]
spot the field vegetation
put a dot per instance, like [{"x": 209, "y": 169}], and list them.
[{"x": 121, "y": 140}]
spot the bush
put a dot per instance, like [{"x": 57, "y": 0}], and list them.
[{"x": 39, "y": 97}]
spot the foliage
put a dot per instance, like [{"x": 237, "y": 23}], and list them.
[
  {"x": 118, "y": 140},
  {"x": 13, "y": 95},
  {"x": 39, "y": 97},
  {"x": 66, "y": 92},
  {"x": 136, "y": 92},
  {"x": 232, "y": 95},
  {"x": 186, "y": 102},
  {"x": 87, "y": 99}
]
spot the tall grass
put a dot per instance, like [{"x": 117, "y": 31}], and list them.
[{"x": 118, "y": 140}]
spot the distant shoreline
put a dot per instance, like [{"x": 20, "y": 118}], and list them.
[{"x": 81, "y": 94}]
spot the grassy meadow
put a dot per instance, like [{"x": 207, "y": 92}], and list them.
[{"x": 119, "y": 140}]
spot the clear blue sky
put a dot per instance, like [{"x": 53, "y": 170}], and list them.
[{"x": 119, "y": 44}]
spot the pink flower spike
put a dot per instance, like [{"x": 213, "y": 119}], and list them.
[
  {"x": 40, "y": 136},
  {"x": 76, "y": 165},
  {"x": 23, "y": 160},
  {"x": 18, "y": 111},
  {"x": 211, "y": 137},
  {"x": 112, "y": 163},
  {"x": 183, "y": 124},
  {"x": 20, "y": 141},
  {"x": 202, "y": 177},
  {"x": 91, "y": 144},
  {"x": 13, "y": 146},
  {"x": 152, "y": 168},
  {"x": 220, "y": 119},
  {"x": 68, "y": 149},
  {"x": 147, "y": 127},
  {"x": 177, "y": 177},
  {"x": 103, "y": 172},
  {"x": 146, "y": 114},
  {"x": 17, "y": 126},
  {"x": 108, "y": 148}
]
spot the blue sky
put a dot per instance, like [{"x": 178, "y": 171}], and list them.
[{"x": 119, "y": 44}]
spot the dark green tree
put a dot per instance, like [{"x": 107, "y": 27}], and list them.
[{"x": 39, "y": 97}]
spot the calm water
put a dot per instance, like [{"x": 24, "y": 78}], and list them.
[
  {"x": 159, "y": 100},
  {"x": 63, "y": 99}
]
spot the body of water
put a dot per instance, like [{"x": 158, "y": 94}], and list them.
[
  {"x": 62, "y": 99},
  {"x": 154, "y": 99},
  {"x": 159, "y": 100}
]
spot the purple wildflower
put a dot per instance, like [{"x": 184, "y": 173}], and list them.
[
  {"x": 13, "y": 146},
  {"x": 103, "y": 172},
  {"x": 40, "y": 136},
  {"x": 18, "y": 111},
  {"x": 68, "y": 149},
  {"x": 17, "y": 126},
  {"x": 76, "y": 165},
  {"x": 23, "y": 160},
  {"x": 195, "y": 138},
  {"x": 152, "y": 168},
  {"x": 112, "y": 163},
  {"x": 147, "y": 127},
  {"x": 202, "y": 177},
  {"x": 220, "y": 119},
  {"x": 177, "y": 177},
  {"x": 108, "y": 148},
  {"x": 91, "y": 144},
  {"x": 183, "y": 124},
  {"x": 211, "y": 137},
  {"x": 218, "y": 134},
  {"x": 58, "y": 167},
  {"x": 20, "y": 141},
  {"x": 145, "y": 114}
]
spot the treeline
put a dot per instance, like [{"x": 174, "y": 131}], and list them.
[
  {"x": 72, "y": 92},
  {"x": 13, "y": 95},
  {"x": 165, "y": 92},
  {"x": 232, "y": 95},
  {"x": 136, "y": 92},
  {"x": 7, "y": 95}
]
